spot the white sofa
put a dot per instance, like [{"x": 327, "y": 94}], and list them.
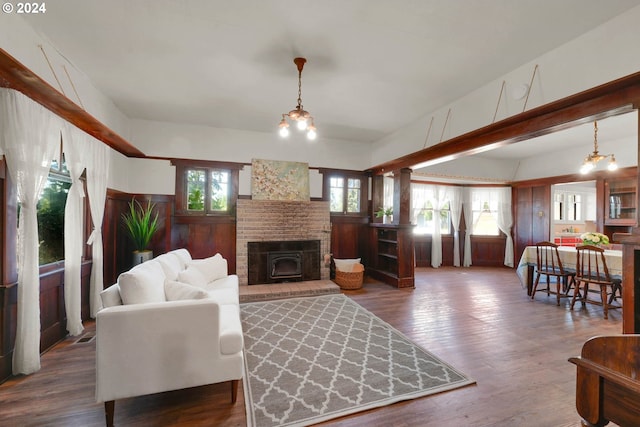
[{"x": 167, "y": 324}]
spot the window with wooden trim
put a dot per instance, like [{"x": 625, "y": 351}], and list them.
[
  {"x": 206, "y": 188},
  {"x": 346, "y": 193}
]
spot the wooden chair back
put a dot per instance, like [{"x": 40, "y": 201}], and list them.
[
  {"x": 591, "y": 265},
  {"x": 548, "y": 258}
]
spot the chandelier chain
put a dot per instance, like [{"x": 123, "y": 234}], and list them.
[{"x": 300, "y": 89}]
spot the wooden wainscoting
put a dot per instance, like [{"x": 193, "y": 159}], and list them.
[
  {"x": 53, "y": 316},
  {"x": 349, "y": 236}
]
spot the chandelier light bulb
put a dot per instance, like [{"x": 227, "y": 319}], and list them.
[
  {"x": 284, "y": 131},
  {"x": 612, "y": 164},
  {"x": 587, "y": 166},
  {"x": 302, "y": 124},
  {"x": 311, "y": 134}
]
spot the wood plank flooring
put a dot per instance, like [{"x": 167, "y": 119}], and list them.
[{"x": 477, "y": 319}]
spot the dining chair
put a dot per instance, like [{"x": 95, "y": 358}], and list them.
[
  {"x": 548, "y": 264},
  {"x": 591, "y": 269}
]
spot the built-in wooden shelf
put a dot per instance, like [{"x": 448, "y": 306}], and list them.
[{"x": 392, "y": 254}]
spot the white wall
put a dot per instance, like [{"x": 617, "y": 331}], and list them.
[
  {"x": 162, "y": 139},
  {"x": 604, "y": 54}
]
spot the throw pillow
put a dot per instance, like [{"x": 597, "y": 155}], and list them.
[
  {"x": 178, "y": 291},
  {"x": 212, "y": 268},
  {"x": 111, "y": 296},
  {"x": 142, "y": 284},
  {"x": 183, "y": 255},
  {"x": 171, "y": 265},
  {"x": 346, "y": 264},
  {"x": 192, "y": 276}
]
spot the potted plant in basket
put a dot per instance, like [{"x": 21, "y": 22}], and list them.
[
  {"x": 386, "y": 214},
  {"x": 141, "y": 225}
]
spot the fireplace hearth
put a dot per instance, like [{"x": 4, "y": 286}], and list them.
[{"x": 283, "y": 261}]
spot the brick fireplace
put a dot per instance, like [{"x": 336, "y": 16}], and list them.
[{"x": 281, "y": 221}]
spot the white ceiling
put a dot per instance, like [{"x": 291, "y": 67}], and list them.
[{"x": 373, "y": 65}]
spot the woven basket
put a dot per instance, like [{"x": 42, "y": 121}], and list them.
[{"x": 350, "y": 279}]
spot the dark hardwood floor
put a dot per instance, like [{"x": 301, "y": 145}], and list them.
[{"x": 477, "y": 319}]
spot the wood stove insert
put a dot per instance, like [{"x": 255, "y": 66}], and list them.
[{"x": 283, "y": 261}]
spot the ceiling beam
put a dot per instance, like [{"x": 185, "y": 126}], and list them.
[
  {"x": 14, "y": 75},
  {"x": 613, "y": 98}
]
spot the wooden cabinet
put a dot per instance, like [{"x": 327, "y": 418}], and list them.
[
  {"x": 392, "y": 254},
  {"x": 620, "y": 202}
]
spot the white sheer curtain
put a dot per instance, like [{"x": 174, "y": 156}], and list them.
[
  {"x": 504, "y": 219},
  {"x": 440, "y": 198},
  {"x": 468, "y": 218},
  {"x": 74, "y": 147},
  {"x": 97, "y": 174},
  {"x": 455, "y": 205},
  {"x": 30, "y": 136}
]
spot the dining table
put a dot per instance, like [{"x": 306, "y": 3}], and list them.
[{"x": 568, "y": 257}]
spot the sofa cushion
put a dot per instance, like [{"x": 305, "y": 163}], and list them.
[
  {"x": 183, "y": 255},
  {"x": 212, "y": 268},
  {"x": 193, "y": 277},
  {"x": 111, "y": 296},
  {"x": 178, "y": 291},
  {"x": 230, "y": 330},
  {"x": 171, "y": 265},
  {"x": 143, "y": 284}
]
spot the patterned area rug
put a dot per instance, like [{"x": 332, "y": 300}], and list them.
[{"x": 308, "y": 360}]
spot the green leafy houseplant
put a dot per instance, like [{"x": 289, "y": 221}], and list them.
[
  {"x": 140, "y": 224},
  {"x": 384, "y": 212}
]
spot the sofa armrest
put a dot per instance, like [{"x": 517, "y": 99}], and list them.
[{"x": 150, "y": 348}]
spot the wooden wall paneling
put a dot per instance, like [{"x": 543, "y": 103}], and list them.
[
  {"x": 9, "y": 271},
  {"x": 349, "y": 236},
  {"x": 521, "y": 218},
  {"x": 488, "y": 251},
  {"x": 205, "y": 236},
  {"x": 85, "y": 283},
  {"x": 541, "y": 204},
  {"x": 53, "y": 318},
  {"x": 422, "y": 249}
]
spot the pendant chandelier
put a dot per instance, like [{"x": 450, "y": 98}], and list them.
[
  {"x": 303, "y": 119},
  {"x": 591, "y": 161}
]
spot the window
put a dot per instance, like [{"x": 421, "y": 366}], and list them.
[
  {"x": 484, "y": 209},
  {"x": 51, "y": 207},
  {"x": 423, "y": 214},
  {"x": 206, "y": 188},
  {"x": 345, "y": 193},
  {"x": 568, "y": 206},
  {"x": 425, "y": 223}
]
